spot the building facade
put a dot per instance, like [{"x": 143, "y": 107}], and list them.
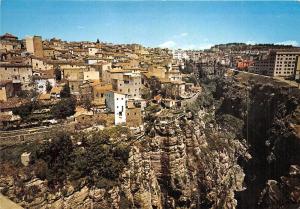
[
  {"x": 34, "y": 45},
  {"x": 129, "y": 83},
  {"x": 17, "y": 73},
  {"x": 285, "y": 63},
  {"x": 116, "y": 103},
  {"x": 277, "y": 64}
]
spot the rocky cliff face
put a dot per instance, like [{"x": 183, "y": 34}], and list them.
[
  {"x": 239, "y": 151},
  {"x": 185, "y": 163},
  {"x": 270, "y": 112},
  {"x": 187, "y": 166}
]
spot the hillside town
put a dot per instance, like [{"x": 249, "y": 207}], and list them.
[
  {"x": 45, "y": 82},
  {"x": 149, "y": 104},
  {"x": 88, "y": 84}
]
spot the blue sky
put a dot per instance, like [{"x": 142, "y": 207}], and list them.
[{"x": 175, "y": 24}]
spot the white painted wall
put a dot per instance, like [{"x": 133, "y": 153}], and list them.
[{"x": 116, "y": 103}]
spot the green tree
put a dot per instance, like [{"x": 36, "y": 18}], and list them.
[
  {"x": 146, "y": 93},
  {"x": 64, "y": 108},
  {"x": 57, "y": 73},
  {"x": 104, "y": 159},
  {"x": 48, "y": 86},
  {"x": 25, "y": 110},
  {"x": 57, "y": 154},
  {"x": 65, "y": 92}
]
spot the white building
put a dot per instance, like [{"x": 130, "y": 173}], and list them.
[
  {"x": 116, "y": 103},
  {"x": 41, "y": 84},
  {"x": 93, "y": 51},
  {"x": 180, "y": 54}
]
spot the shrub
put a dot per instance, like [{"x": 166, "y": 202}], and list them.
[{"x": 64, "y": 108}]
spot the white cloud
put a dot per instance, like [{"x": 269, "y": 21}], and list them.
[
  {"x": 288, "y": 42},
  {"x": 183, "y": 34},
  {"x": 251, "y": 42},
  {"x": 168, "y": 44}
]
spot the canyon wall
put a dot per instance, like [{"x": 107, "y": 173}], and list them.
[{"x": 236, "y": 146}]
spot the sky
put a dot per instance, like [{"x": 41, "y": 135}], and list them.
[{"x": 173, "y": 24}]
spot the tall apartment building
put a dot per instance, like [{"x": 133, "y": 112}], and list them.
[
  {"x": 285, "y": 62},
  {"x": 34, "y": 45},
  {"x": 297, "y": 74},
  {"x": 263, "y": 67},
  {"x": 278, "y": 63}
]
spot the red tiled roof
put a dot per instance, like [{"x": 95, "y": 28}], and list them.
[
  {"x": 8, "y": 35},
  {"x": 12, "y": 103}
]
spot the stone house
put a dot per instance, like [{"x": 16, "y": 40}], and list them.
[
  {"x": 128, "y": 83},
  {"x": 17, "y": 73},
  {"x": 98, "y": 93},
  {"x": 133, "y": 115},
  {"x": 6, "y": 90}
]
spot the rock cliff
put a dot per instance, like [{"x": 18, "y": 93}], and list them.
[{"x": 236, "y": 147}]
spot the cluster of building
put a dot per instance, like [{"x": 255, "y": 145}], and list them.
[
  {"x": 113, "y": 78},
  {"x": 203, "y": 56},
  {"x": 265, "y": 59}
]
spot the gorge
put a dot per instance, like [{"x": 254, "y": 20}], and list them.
[{"x": 236, "y": 146}]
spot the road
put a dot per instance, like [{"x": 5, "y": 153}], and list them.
[{"x": 289, "y": 82}]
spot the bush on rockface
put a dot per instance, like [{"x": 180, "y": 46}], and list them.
[
  {"x": 56, "y": 153},
  {"x": 64, "y": 108},
  {"x": 94, "y": 159},
  {"x": 25, "y": 110}
]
